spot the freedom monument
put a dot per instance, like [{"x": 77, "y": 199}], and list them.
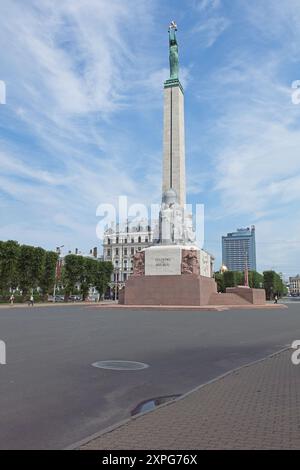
[{"x": 175, "y": 271}]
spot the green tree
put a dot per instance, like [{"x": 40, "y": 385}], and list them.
[
  {"x": 103, "y": 276},
  {"x": 87, "y": 275},
  {"x": 233, "y": 279},
  {"x": 31, "y": 264},
  {"x": 9, "y": 254},
  {"x": 72, "y": 273},
  {"x": 273, "y": 285},
  {"x": 86, "y": 272},
  {"x": 47, "y": 279},
  {"x": 256, "y": 280},
  {"x": 219, "y": 278},
  {"x": 95, "y": 274}
]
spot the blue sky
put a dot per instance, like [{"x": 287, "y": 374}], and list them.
[{"x": 82, "y": 122}]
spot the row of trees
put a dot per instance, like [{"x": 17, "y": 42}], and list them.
[
  {"x": 27, "y": 268},
  {"x": 82, "y": 272},
  {"x": 269, "y": 280},
  {"x": 234, "y": 278}
]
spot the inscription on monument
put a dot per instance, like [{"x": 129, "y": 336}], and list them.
[
  {"x": 167, "y": 264},
  {"x": 159, "y": 262}
]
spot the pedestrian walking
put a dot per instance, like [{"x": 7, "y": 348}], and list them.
[
  {"x": 31, "y": 301},
  {"x": 12, "y": 299},
  {"x": 276, "y": 299}
]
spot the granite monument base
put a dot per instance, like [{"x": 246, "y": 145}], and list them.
[
  {"x": 180, "y": 276},
  {"x": 193, "y": 290},
  {"x": 239, "y": 296},
  {"x": 190, "y": 290}
]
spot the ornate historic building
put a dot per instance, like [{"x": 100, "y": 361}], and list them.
[
  {"x": 120, "y": 244},
  {"x": 294, "y": 285}
]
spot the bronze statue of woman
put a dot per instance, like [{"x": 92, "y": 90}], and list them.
[{"x": 173, "y": 46}]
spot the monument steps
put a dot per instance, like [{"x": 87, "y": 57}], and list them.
[{"x": 227, "y": 299}]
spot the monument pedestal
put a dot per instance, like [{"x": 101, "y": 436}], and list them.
[
  {"x": 191, "y": 290},
  {"x": 170, "y": 275},
  {"x": 180, "y": 275}
]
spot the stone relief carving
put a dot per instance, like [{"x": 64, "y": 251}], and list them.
[
  {"x": 139, "y": 264},
  {"x": 190, "y": 262}
]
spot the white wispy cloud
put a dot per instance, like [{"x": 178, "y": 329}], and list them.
[
  {"x": 204, "y": 5},
  {"x": 256, "y": 166},
  {"x": 71, "y": 67},
  {"x": 211, "y": 24},
  {"x": 209, "y": 31}
]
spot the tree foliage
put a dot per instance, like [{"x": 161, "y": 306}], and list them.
[
  {"x": 28, "y": 268},
  {"x": 219, "y": 278},
  {"x": 31, "y": 262},
  {"x": 9, "y": 254},
  {"x": 80, "y": 273},
  {"x": 103, "y": 275},
  {"x": 71, "y": 273},
  {"x": 47, "y": 279},
  {"x": 235, "y": 278},
  {"x": 273, "y": 284}
]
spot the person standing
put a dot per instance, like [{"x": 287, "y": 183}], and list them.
[
  {"x": 12, "y": 299},
  {"x": 276, "y": 299}
]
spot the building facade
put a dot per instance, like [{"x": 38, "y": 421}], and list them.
[
  {"x": 239, "y": 250},
  {"x": 120, "y": 245},
  {"x": 294, "y": 285}
]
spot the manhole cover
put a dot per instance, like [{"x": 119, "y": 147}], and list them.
[{"x": 120, "y": 365}]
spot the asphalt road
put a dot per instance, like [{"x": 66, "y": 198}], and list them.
[{"x": 51, "y": 396}]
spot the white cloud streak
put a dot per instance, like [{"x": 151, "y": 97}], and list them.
[
  {"x": 256, "y": 166},
  {"x": 72, "y": 67}
]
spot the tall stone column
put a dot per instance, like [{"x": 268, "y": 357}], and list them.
[
  {"x": 174, "y": 140},
  {"x": 174, "y": 144}
]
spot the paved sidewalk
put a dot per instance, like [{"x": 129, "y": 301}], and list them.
[
  {"x": 206, "y": 308},
  {"x": 49, "y": 304},
  {"x": 254, "y": 407}
]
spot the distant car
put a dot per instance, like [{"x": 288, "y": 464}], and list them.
[
  {"x": 93, "y": 298},
  {"x": 58, "y": 298},
  {"x": 75, "y": 298}
]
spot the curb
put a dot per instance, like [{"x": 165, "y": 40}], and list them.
[
  {"x": 42, "y": 305},
  {"x": 205, "y": 308}
]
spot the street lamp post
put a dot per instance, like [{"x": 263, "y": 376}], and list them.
[
  {"x": 117, "y": 283},
  {"x": 56, "y": 270}
]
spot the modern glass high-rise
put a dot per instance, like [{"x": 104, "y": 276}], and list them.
[{"x": 237, "y": 247}]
